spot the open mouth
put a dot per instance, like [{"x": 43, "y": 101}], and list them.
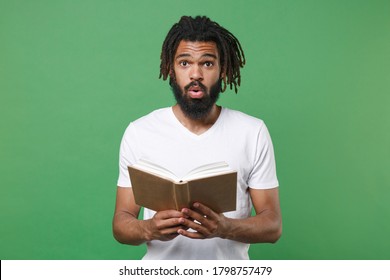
[{"x": 196, "y": 91}]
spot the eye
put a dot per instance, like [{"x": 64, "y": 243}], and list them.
[
  {"x": 183, "y": 63},
  {"x": 208, "y": 64}
]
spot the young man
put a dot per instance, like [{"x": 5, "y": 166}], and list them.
[{"x": 200, "y": 58}]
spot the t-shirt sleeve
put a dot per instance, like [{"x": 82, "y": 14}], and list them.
[
  {"x": 263, "y": 174},
  {"x": 127, "y": 156}
]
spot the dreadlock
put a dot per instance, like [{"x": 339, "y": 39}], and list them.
[{"x": 202, "y": 29}]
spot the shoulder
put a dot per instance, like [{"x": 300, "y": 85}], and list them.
[
  {"x": 157, "y": 115},
  {"x": 149, "y": 122},
  {"x": 242, "y": 120},
  {"x": 154, "y": 119}
]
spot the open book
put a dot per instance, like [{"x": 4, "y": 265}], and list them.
[{"x": 157, "y": 188}]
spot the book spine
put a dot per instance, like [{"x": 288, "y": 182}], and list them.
[{"x": 181, "y": 195}]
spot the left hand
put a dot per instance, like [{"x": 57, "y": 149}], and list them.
[{"x": 205, "y": 222}]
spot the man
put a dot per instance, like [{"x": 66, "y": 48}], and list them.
[{"x": 198, "y": 56}]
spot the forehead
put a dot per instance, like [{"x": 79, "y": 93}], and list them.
[{"x": 196, "y": 49}]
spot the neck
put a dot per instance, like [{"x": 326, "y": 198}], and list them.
[{"x": 197, "y": 126}]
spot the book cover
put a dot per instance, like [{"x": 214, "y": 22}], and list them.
[{"x": 156, "y": 188}]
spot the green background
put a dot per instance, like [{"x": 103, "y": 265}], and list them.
[{"x": 73, "y": 74}]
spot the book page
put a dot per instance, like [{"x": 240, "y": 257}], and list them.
[
  {"x": 207, "y": 170},
  {"x": 151, "y": 167},
  {"x": 202, "y": 171}
]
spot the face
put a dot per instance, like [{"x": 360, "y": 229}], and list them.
[{"x": 196, "y": 81}]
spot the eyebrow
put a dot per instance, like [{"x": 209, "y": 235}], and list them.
[{"x": 203, "y": 55}]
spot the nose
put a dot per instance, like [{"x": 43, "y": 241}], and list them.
[{"x": 196, "y": 73}]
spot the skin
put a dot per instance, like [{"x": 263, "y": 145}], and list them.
[{"x": 198, "y": 61}]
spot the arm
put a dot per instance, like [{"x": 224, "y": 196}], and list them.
[
  {"x": 265, "y": 226},
  {"x": 128, "y": 229}
]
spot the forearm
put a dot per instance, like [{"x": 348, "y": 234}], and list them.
[
  {"x": 127, "y": 229},
  {"x": 265, "y": 227}
]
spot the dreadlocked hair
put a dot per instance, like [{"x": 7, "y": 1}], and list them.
[{"x": 202, "y": 29}]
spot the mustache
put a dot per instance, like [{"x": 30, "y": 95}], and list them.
[{"x": 194, "y": 84}]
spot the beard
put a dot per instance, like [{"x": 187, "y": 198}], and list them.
[{"x": 196, "y": 109}]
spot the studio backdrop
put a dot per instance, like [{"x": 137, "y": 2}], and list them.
[{"x": 73, "y": 74}]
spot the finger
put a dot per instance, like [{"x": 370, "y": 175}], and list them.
[
  {"x": 194, "y": 216},
  {"x": 165, "y": 233},
  {"x": 205, "y": 210},
  {"x": 200, "y": 228},
  {"x": 166, "y": 214},
  {"x": 173, "y": 230},
  {"x": 166, "y": 219},
  {"x": 189, "y": 234},
  {"x": 168, "y": 223}
]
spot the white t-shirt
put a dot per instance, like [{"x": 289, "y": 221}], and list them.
[{"x": 236, "y": 138}]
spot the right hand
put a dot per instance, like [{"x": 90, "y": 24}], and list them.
[{"x": 164, "y": 225}]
